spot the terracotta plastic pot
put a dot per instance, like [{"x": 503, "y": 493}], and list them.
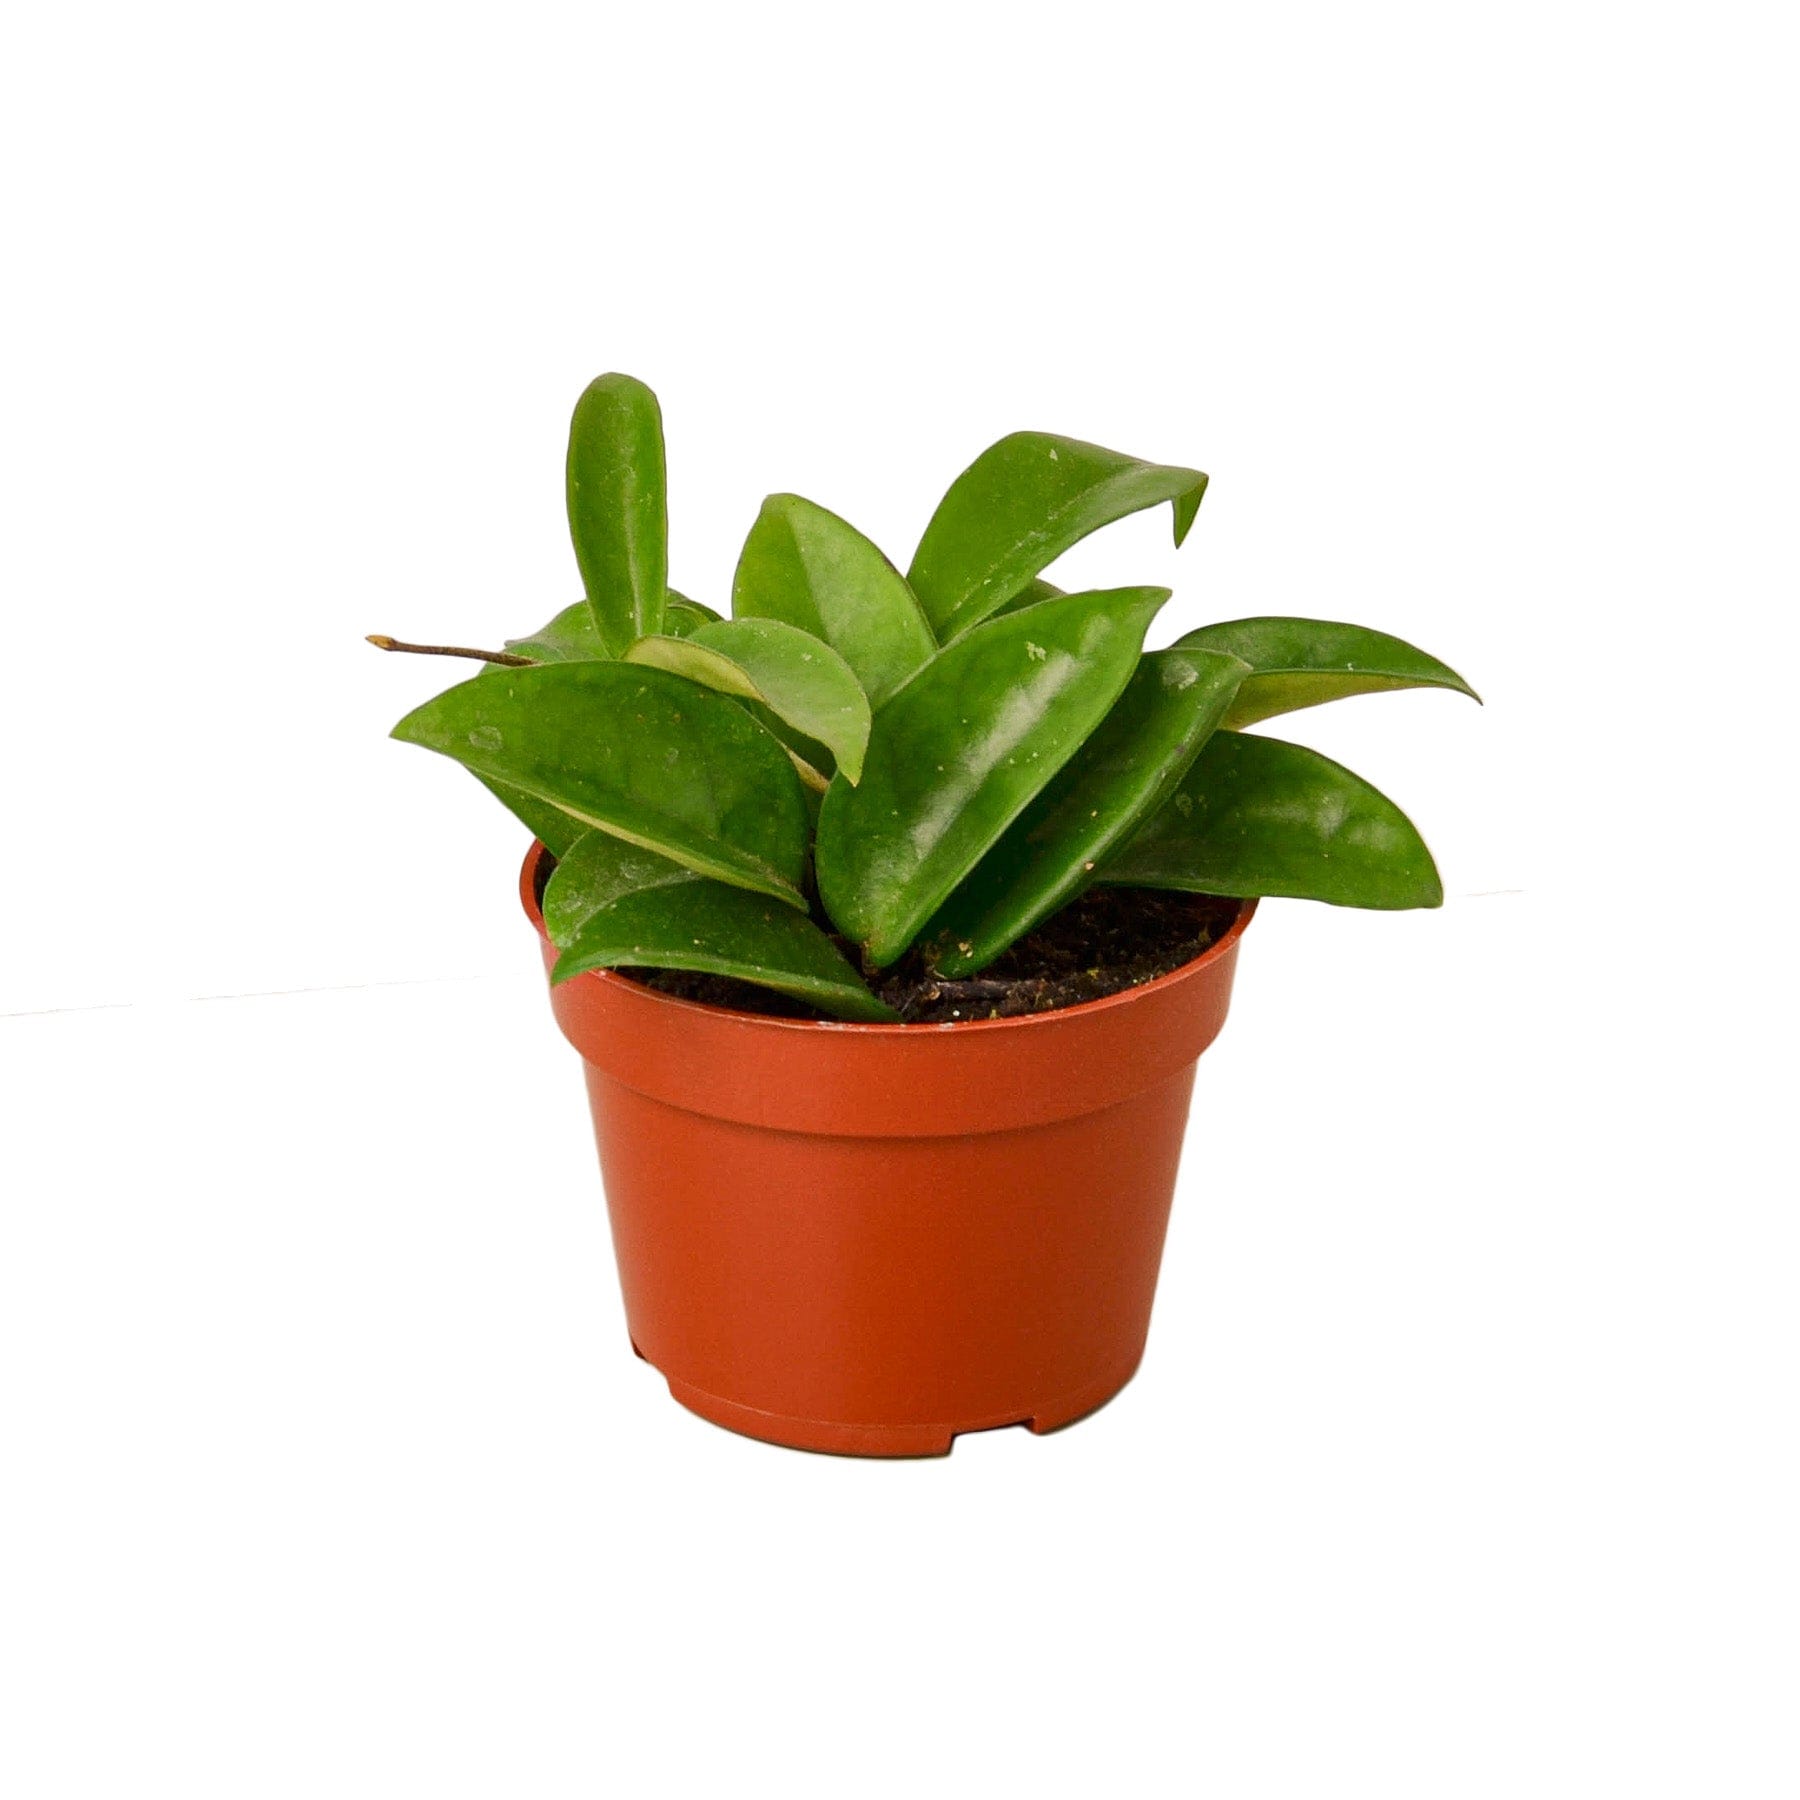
[{"x": 868, "y": 1238}]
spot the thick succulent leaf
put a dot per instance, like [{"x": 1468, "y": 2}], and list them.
[
  {"x": 1030, "y": 595},
  {"x": 1019, "y": 506},
  {"x": 1255, "y": 815},
  {"x": 618, "y": 507},
  {"x": 713, "y": 669},
  {"x": 682, "y": 617},
  {"x": 571, "y": 636},
  {"x": 597, "y": 870},
  {"x": 636, "y": 752},
  {"x": 610, "y": 905},
  {"x": 1117, "y": 779},
  {"x": 960, "y": 751},
  {"x": 799, "y": 678},
  {"x": 1305, "y": 662},
  {"x": 683, "y": 657},
  {"x": 807, "y": 567},
  {"x": 550, "y": 825},
  {"x": 802, "y": 680}
]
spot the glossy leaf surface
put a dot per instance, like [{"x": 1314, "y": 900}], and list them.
[
  {"x": 618, "y": 507},
  {"x": 1019, "y": 506},
  {"x": 809, "y": 568},
  {"x": 611, "y": 905},
  {"x": 801, "y": 679},
  {"x": 682, "y": 617},
  {"x": 572, "y": 636},
  {"x": 550, "y": 825},
  {"x": 960, "y": 751},
  {"x": 1297, "y": 663},
  {"x": 1030, "y": 595},
  {"x": 1256, "y": 815},
  {"x": 597, "y": 870},
  {"x": 636, "y": 752},
  {"x": 1124, "y": 771}
]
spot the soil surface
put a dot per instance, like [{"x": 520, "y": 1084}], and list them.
[{"x": 1106, "y": 941}]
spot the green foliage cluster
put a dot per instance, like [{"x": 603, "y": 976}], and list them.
[{"x": 940, "y": 759}]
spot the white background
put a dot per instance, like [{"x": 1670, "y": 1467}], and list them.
[{"x": 1464, "y": 1458}]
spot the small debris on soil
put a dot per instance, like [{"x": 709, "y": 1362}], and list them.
[{"x": 1107, "y": 940}]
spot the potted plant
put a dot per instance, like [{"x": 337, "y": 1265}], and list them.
[{"x": 890, "y": 915}]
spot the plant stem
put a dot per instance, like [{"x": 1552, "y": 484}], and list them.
[{"x": 504, "y": 657}]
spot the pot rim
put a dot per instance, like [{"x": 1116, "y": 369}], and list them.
[{"x": 1215, "y": 950}]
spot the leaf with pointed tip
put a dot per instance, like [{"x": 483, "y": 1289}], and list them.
[
  {"x": 611, "y": 905},
  {"x": 960, "y": 751},
  {"x": 618, "y": 507},
  {"x": 1306, "y": 662},
  {"x": 636, "y": 752},
  {"x": 799, "y": 678},
  {"x": 1117, "y": 779},
  {"x": 807, "y": 567},
  {"x": 682, "y": 617},
  {"x": 1019, "y": 506},
  {"x": 1256, "y": 815}
]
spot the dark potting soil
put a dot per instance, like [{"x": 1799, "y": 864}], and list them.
[{"x": 1106, "y": 941}]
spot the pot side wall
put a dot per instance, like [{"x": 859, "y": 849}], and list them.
[{"x": 871, "y": 1238}]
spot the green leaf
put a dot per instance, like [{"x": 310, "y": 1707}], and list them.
[
  {"x": 807, "y": 567},
  {"x": 618, "y": 508},
  {"x": 550, "y": 825},
  {"x": 598, "y": 870},
  {"x": 682, "y": 617},
  {"x": 1019, "y": 506},
  {"x": 1029, "y": 595},
  {"x": 1117, "y": 779},
  {"x": 571, "y": 636},
  {"x": 960, "y": 751},
  {"x": 803, "y": 681},
  {"x": 1255, "y": 815},
  {"x": 611, "y": 905},
  {"x": 1305, "y": 662},
  {"x": 693, "y": 662},
  {"x": 799, "y": 678},
  {"x": 636, "y": 752}
]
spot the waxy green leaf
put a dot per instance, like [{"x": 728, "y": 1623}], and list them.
[
  {"x": 1019, "y": 506},
  {"x": 682, "y": 617},
  {"x": 571, "y": 636},
  {"x": 611, "y": 905},
  {"x": 960, "y": 751},
  {"x": 1255, "y": 815},
  {"x": 809, "y": 568},
  {"x": 550, "y": 825},
  {"x": 1029, "y": 595},
  {"x": 597, "y": 870},
  {"x": 618, "y": 508},
  {"x": 636, "y": 752},
  {"x": 1117, "y": 779},
  {"x": 799, "y": 678},
  {"x": 1306, "y": 662}
]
